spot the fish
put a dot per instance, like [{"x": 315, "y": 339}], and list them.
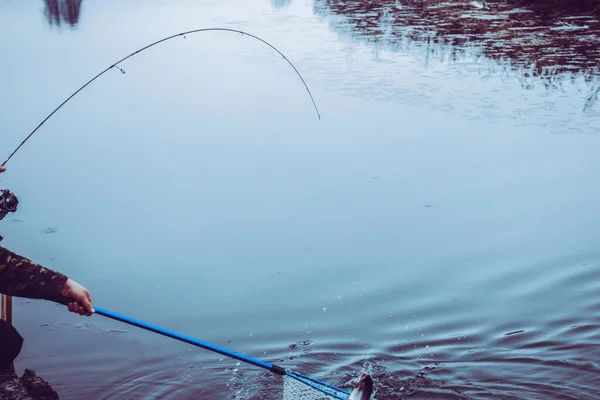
[{"x": 363, "y": 388}]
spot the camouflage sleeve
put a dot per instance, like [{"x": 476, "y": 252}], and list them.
[{"x": 21, "y": 277}]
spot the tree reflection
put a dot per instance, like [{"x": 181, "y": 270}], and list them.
[
  {"x": 547, "y": 41},
  {"x": 62, "y": 11}
]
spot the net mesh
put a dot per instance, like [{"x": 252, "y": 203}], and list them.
[{"x": 297, "y": 390}]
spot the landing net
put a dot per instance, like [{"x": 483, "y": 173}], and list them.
[{"x": 300, "y": 387}]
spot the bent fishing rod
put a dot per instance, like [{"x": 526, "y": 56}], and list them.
[
  {"x": 184, "y": 35},
  {"x": 313, "y": 383},
  {"x": 9, "y": 201}
]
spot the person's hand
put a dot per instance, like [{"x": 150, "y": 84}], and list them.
[
  {"x": 2, "y": 169},
  {"x": 80, "y": 296}
]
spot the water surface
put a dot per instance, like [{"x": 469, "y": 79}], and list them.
[{"x": 437, "y": 227}]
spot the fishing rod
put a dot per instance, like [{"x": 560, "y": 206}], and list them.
[
  {"x": 116, "y": 65},
  {"x": 10, "y": 200},
  {"x": 313, "y": 383}
]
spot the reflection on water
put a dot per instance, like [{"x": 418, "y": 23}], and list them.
[
  {"x": 547, "y": 42},
  {"x": 62, "y": 11}
]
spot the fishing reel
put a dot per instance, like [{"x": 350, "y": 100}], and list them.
[{"x": 8, "y": 203}]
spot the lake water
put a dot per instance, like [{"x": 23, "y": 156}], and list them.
[{"x": 438, "y": 226}]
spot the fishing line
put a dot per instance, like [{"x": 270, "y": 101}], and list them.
[{"x": 115, "y": 65}]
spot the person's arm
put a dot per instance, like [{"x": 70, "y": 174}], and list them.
[{"x": 21, "y": 277}]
